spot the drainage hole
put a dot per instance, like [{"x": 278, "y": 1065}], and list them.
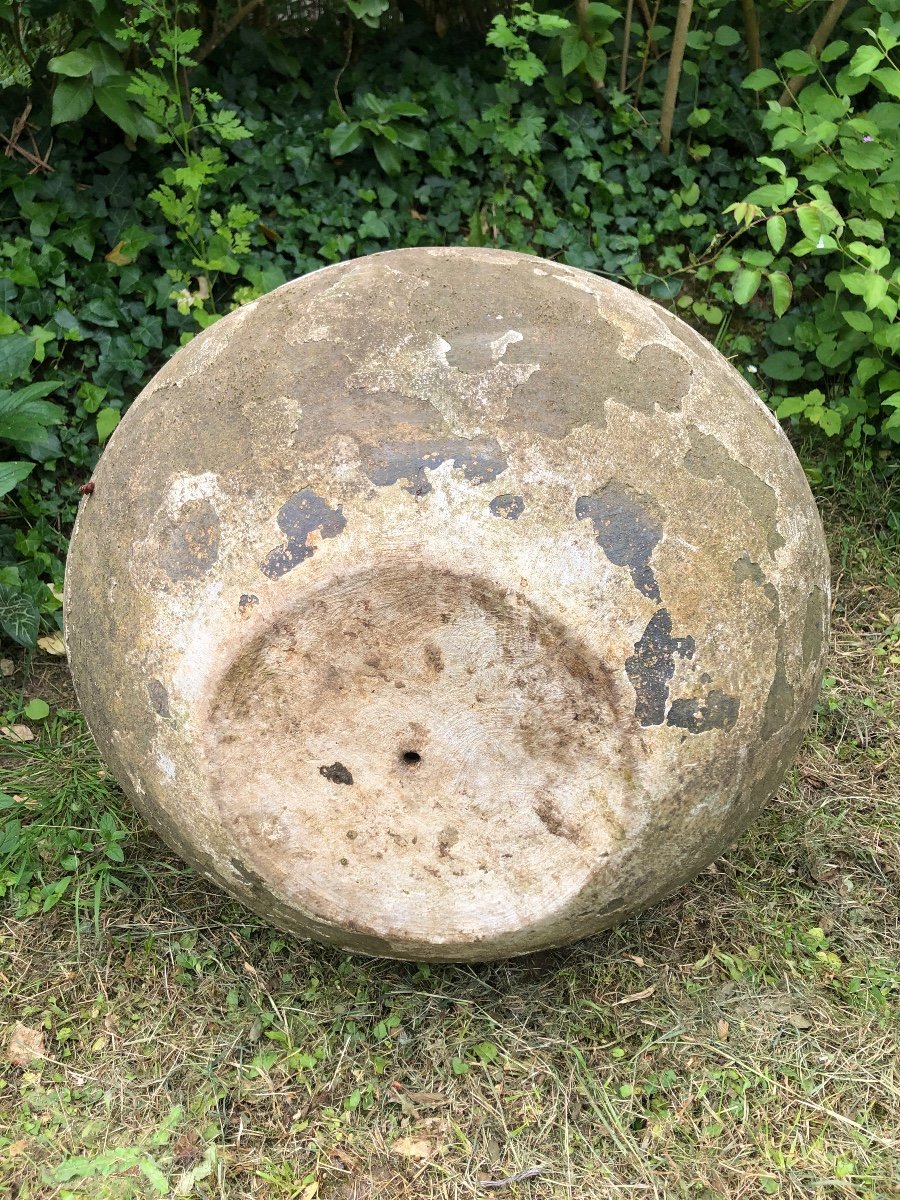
[{"x": 411, "y": 757}]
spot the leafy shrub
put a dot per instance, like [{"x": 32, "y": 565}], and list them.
[{"x": 837, "y": 204}]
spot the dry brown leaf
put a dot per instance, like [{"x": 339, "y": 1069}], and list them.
[
  {"x": 14, "y": 1149},
  {"x": 25, "y": 1045},
  {"x": 310, "y": 1191},
  {"x": 17, "y": 733},
  {"x": 7, "y": 667},
  {"x": 118, "y": 256},
  {"x": 413, "y": 1147},
  {"x": 633, "y": 999},
  {"x": 427, "y": 1099},
  {"x": 52, "y": 644},
  {"x": 722, "y": 1029}
]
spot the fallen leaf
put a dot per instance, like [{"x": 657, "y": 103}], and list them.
[
  {"x": 52, "y": 644},
  {"x": 412, "y": 1147},
  {"x": 7, "y": 667},
  {"x": 310, "y": 1191},
  {"x": 17, "y": 733},
  {"x": 428, "y": 1099},
  {"x": 25, "y": 1045},
  {"x": 633, "y": 999},
  {"x": 118, "y": 256},
  {"x": 16, "y": 1148},
  {"x": 722, "y": 1029},
  {"x": 798, "y": 1021}
]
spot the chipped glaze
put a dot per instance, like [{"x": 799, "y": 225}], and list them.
[{"x": 448, "y": 604}]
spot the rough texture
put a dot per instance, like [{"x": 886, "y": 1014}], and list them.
[{"x": 448, "y": 604}]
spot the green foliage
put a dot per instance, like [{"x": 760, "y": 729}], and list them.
[
  {"x": 833, "y": 203},
  {"x": 196, "y": 126},
  {"x": 228, "y": 178},
  {"x": 580, "y": 49}
]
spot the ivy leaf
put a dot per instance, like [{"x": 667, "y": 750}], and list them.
[
  {"x": 745, "y": 285},
  {"x": 107, "y": 420},
  {"x": 776, "y": 231},
  {"x": 71, "y": 100},
  {"x": 16, "y": 355},
  {"x": 782, "y": 290},
  {"x": 18, "y": 615}
]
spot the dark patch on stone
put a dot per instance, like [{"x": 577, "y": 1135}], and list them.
[
  {"x": 159, "y": 698},
  {"x": 657, "y": 378},
  {"x": 780, "y": 701},
  {"x": 627, "y": 529},
  {"x": 248, "y": 877},
  {"x": 447, "y": 840},
  {"x": 434, "y": 659},
  {"x": 553, "y": 820},
  {"x": 479, "y": 459},
  {"x": 299, "y": 518},
  {"x": 246, "y": 604},
  {"x": 336, "y": 773},
  {"x": 744, "y": 568},
  {"x": 652, "y": 666},
  {"x": 191, "y": 547},
  {"x": 717, "y": 712},
  {"x": 813, "y": 626},
  {"x": 510, "y": 508},
  {"x": 710, "y": 459}
]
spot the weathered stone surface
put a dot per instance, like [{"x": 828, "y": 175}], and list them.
[{"x": 448, "y": 604}]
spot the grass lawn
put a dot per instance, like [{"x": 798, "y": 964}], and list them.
[{"x": 739, "y": 1040}]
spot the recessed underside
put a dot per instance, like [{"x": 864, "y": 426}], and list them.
[{"x": 421, "y": 751}]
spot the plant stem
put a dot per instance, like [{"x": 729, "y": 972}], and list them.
[
  {"x": 219, "y": 36},
  {"x": 673, "y": 75},
  {"x": 626, "y": 39},
  {"x": 815, "y": 48},
  {"x": 751, "y": 32}
]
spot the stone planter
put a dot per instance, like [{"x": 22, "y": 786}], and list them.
[{"x": 448, "y": 604}]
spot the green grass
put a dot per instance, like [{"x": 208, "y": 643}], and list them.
[{"x": 739, "y": 1040}]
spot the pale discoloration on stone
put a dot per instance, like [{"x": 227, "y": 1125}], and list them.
[{"x": 448, "y": 604}]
